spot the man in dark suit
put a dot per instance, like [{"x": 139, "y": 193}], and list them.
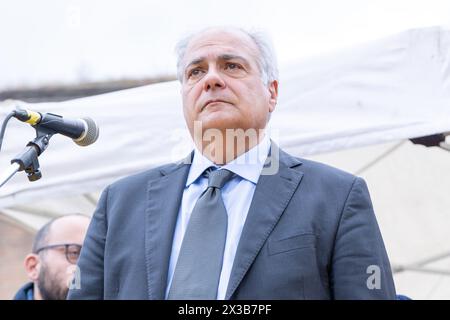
[{"x": 238, "y": 218}]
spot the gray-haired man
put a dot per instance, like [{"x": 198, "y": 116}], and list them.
[{"x": 223, "y": 224}]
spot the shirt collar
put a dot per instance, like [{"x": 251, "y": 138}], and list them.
[{"x": 247, "y": 165}]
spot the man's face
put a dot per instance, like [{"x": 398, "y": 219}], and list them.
[
  {"x": 56, "y": 271},
  {"x": 222, "y": 85}
]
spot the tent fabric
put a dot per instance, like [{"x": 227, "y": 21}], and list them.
[{"x": 395, "y": 88}]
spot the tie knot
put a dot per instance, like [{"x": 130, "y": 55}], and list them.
[{"x": 218, "y": 178}]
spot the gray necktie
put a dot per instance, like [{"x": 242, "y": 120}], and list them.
[{"x": 199, "y": 264}]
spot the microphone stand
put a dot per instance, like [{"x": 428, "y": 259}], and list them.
[{"x": 28, "y": 159}]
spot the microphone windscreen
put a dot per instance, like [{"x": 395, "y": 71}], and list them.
[{"x": 91, "y": 134}]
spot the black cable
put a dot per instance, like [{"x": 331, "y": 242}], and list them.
[{"x": 5, "y": 122}]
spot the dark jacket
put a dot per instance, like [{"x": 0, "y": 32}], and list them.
[
  {"x": 311, "y": 233},
  {"x": 26, "y": 292}
]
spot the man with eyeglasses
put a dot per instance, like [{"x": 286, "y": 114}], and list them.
[{"x": 52, "y": 263}]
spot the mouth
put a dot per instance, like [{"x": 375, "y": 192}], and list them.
[{"x": 211, "y": 102}]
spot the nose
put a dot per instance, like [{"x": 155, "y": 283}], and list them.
[{"x": 213, "y": 80}]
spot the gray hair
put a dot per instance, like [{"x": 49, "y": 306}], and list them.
[{"x": 266, "y": 60}]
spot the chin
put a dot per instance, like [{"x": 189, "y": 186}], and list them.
[{"x": 221, "y": 121}]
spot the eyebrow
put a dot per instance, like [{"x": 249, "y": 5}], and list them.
[{"x": 226, "y": 57}]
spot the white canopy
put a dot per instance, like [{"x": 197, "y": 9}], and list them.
[
  {"x": 378, "y": 94},
  {"x": 393, "y": 89}
]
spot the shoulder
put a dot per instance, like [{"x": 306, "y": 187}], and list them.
[
  {"x": 317, "y": 170},
  {"x": 140, "y": 180},
  {"x": 325, "y": 178}
]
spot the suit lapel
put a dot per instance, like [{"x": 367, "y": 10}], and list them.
[
  {"x": 272, "y": 194},
  {"x": 164, "y": 199}
]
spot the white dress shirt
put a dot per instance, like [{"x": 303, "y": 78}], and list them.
[{"x": 237, "y": 195}]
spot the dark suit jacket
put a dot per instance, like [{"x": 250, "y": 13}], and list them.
[{"x": 311, "y": 233}]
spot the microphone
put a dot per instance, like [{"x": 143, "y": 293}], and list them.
[{"x": 82, "y": 131}]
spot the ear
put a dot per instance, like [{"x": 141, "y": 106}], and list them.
[
  {"x": 32, "y": 266},
  {"x": 273, "y": 89}
]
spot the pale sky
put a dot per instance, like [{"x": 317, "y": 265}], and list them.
[{"x": 56, "y": 41}]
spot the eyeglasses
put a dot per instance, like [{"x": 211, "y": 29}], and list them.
[{"x": 71, "y": 250}]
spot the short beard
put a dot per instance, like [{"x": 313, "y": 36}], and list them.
[{"x": 49, "y": 286}]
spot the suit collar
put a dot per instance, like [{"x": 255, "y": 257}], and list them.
[
  {"x": 248, "y": 165},
  {"x": 273, "y": 192},
  {"x": 164, "y": 199}
]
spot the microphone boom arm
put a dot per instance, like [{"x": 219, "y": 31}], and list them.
[{"x": 27, "y": 160}]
